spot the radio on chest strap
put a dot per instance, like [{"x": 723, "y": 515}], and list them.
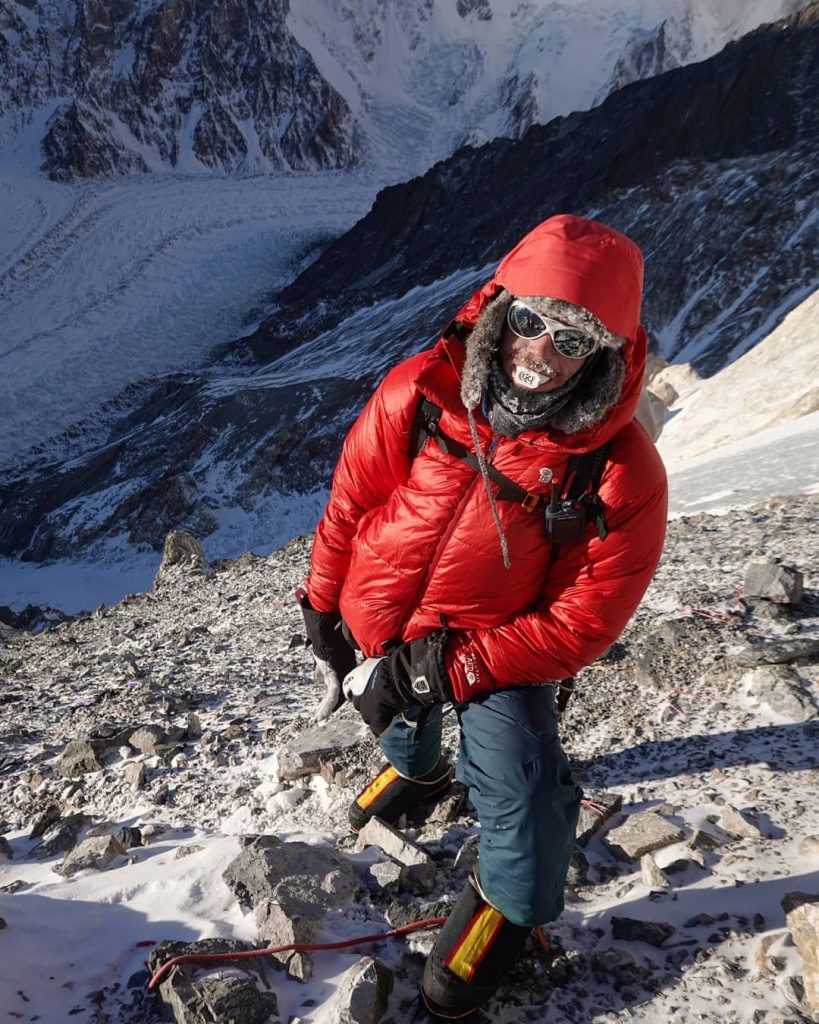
[{"x": 569, "y": 508}]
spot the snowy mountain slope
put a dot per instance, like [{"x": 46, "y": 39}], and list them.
[
  {"x": 777, "y": 381},
  {"x": 106, "y": 285},
  {"x": 723, "y": 208},
  {"x": 240, "y": 85}
]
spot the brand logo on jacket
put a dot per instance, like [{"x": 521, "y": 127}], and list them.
[{"x": 545, "y": 475}]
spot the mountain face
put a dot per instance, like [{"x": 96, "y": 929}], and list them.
[
  {"x": 221, "y": 85},
  {"x": 711, "y": 168},
  {"x": 248, "y": 86}
]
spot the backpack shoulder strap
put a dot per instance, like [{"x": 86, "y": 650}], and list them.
[{"x": 424, "y": 426}]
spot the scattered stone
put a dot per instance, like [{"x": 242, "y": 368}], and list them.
[
  {"x": 62, "y": 837},
  {"x": 578, "y": 874},
  {"x": 809, "y": 847},
  {"x": 306, "y": 754},
  {"x": 193, "y": 730},
  {"x": 107, "y": 737},
  {"x": 78, "y": 758},
  {"x": 386, "y": 872},
  {"x": 129, "y": 837},
  {"x": 783, "y": 691},
  {"x": 765, "y": 963},
  {"x": 467, "y": 857},
  {"x": 740, "y": 823},
  {"x": 148, "y": 738},
  {"x": 628, "y": 929},
  {"x": 276, "y": 926},
  {"x": 362, "y": 994},
  {"x": 134, "y": 775},
  {"x": 186, "y": 851},
  {"x": 97, "y": 853},
  {"x": 651, "y": 874},
  {"x": 3, "y": 924},
  {"x": 5, "y": 848},
  {"x": 642, "y": 833},
  {"x": 590, "y": 820},
  {"x": 774, "y": 652},
  {"x": 779, "y": 583},
  {"x": 181, "y": 549},
  {"x": 393, "y": 842},
  {"x": 204, "y": 993},
  {"x": 45, "y": 820},
  {"x": 709, "y": 838},
  {"x": 18, "y": 885},
  {"x": 266, "y": 860}
]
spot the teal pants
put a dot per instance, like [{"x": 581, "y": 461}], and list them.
[{"x": 520, "y": 784}]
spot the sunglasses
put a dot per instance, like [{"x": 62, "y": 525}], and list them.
[{"x": 528, "y": 324}]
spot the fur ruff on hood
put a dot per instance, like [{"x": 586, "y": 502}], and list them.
[{"x": 594, "y": 397}]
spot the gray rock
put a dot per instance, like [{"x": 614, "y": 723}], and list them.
[
  {"x": 308, "y": 752},
  {"x": 62, "y": 837},
  {"x": 590, "y": 821},
  {"x": 809, "y": 846},
  {"x": 386, "y": 873},
  {"x": 641, "y": 833},
  {"x": 97, "y": 852},
  {"x": 782, "y": 690},
  {"x": 709, "y": 837},
  {"x": 5, "y": 848},
  {"x": 45, "y": 820},
  {"x": 651, "y": 874},
  {"x": 205, "y": 993},
  {"x": 277, "y": 926},
  {"x": 779, "y": 583},
  {"x": 78, "y": 758},
  {"x": 3, "y": 924},
  {"x": 654, "y": 933},
  {"x": 393, "y": 842},
  {"x": 578, "y": 874},
  {"x": 181, "y": 549},
  {"x": 776, "y": 652},
  {"x": 134, "y": 775},
  {"x": 193, "y": 730},
  {"x": 187, "y": 851},
  {"x": 803, "y": 922},
  {"x": 147, "y": 738},
  {"x": 362, "y": 994},
  {"x": 467, "y": 856},
  {"x": 265, "y": 861},
  {"x": 129, "y": 837},
  {"x": 740, "y": 823}
]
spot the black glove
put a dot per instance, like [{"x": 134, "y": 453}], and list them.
[
  {"x": 335, "y": 658},
  {"x": 411, "y": 675}
]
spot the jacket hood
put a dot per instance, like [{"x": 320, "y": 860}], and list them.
[{"x": 578, "y": 265}]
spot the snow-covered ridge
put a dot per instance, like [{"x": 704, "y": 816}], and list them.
[{"x": 251, "y": 86}]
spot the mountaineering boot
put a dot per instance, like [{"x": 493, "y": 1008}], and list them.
[
  {"x": 390, "y": 795},
  {"x": 473, "y": 952}
]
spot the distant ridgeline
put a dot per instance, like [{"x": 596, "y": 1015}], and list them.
[{"x": 711, "y": 168}]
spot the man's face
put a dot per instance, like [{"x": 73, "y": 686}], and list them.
[{"x": 525, "y": 362}]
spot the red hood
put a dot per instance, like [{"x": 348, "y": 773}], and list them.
[{"x": 593, "y": 266}]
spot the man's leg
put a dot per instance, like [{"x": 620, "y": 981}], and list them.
[
  {"x": 415, "y": 771},
  {"x": 521, "y": 786}
]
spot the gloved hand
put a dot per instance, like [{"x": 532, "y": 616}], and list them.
[
  {"x": 334, "y": 657},
  {"x": 411, "y": 675}
]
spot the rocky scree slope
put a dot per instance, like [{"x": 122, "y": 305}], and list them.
[
  {"x": 710, "y": 168},
  {"x": 157, "y": 718}
]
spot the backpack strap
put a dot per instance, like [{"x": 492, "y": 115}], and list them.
[{"x": 567, "y": 514}]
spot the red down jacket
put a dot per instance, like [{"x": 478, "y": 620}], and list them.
[{"x": 404, "y": 541}]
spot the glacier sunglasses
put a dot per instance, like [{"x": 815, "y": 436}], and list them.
[{"x": 528, "y": 324}]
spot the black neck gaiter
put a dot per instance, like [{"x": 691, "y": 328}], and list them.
[{"x": 513, "y": 410}]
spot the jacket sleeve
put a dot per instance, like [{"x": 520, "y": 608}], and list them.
[
  {"x": 374, "y": 461},
  {"x": 592, "y": 591}
]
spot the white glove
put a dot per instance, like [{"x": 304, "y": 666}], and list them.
[
  {"x": 355, "y": 682},
  {"x": 327, "y": 677}
]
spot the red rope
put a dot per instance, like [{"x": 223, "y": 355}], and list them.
[{"x": 295, "y": 947}]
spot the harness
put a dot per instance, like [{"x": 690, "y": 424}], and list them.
[{"x": 567, "y": 511}]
